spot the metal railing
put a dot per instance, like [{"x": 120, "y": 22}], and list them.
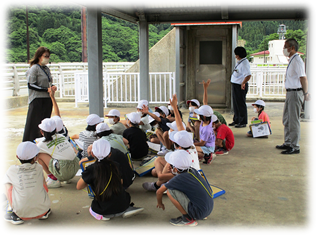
[
  {"x": 267, "y": 82},
  {"x": 124, "y": 87},
  {"x": 14, "y": 76}
]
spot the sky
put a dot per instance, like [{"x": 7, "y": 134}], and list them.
[{"x": 2, "y": 1}]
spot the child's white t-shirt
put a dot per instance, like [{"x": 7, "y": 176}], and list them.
[
  {"x": 59, "y": 148},
  {"x": 29, "y": 197}
]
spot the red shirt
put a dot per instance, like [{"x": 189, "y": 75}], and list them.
[
  {"x": 264, "y": 117},
  {"x": 224, "y": 132}
]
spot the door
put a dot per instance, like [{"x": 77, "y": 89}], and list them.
[{"x": 211, "y": 63}]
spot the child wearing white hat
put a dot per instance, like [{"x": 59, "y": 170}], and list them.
[
  {"x": 114, "y": 120},
  {"x": 110, "y": 200},
  {"x": 187, "y": 191},
  {"x": 258, "y": 107},
  {"x": 225, "y": 139},
  {"x": 144, "y": 120},
  {"x": 56, "y": 155},
  {"x": 25, "y": 185},
  {"x": 137, "y": 139},
  {"x": 162, "y": 121},
  {"x": 182, "y": 140},
  {"x": 206, "y": 144},
  {"x": 87, "y": 137}
]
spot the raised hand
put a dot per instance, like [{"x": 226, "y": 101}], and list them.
[{"x": 207, "y": 83}]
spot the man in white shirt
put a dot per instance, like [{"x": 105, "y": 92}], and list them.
[
  {"x": 296, "y": 86},
  {"x": 239, "y": 80}
]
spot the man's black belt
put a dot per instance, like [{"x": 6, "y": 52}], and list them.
[{"x": 298, "y": 89}]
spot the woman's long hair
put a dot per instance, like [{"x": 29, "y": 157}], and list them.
[
  {"x": 102, "y": 173},
  {"x": 38, "y": 54}
]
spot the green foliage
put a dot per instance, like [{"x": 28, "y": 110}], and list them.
[
  {"x": 59, "y": 29},
  {"x": 257, "y": 34}
]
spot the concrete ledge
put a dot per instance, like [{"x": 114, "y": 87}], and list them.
[{"x": 16, "y": 101}]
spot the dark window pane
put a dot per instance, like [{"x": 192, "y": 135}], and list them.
[{"x": 210, "y": 52}]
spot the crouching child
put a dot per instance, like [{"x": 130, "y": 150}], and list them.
[
  {"x": 25, "y": 187},
  {"x": 188, "y": 191}
]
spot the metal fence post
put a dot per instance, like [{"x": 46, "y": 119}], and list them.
[
  {"x": 61, "y": 81},
  {"x": 16, "y": 83},
  {"x": 105, "y": 82}
]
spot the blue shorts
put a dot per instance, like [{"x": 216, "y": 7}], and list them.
[{"x": 207, "y": 150}]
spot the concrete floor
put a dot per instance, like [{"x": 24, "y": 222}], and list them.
[{"x": 264, "y": 189}]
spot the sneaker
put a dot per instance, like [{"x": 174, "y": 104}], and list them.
[
  {"x": 221, "y": 151},
  {"x": 149, "y": 186},
  {"x": 97, "y": 216},
  {"x": 209, "y": 158},
  {"x": 52, "y": 183},
  {"x": 46, "y": 215},
  {"x": 183, "y": 221},
  {"x": 131, "y": 210},
  {"x": 10, "y": 216},
  {"x": 163, "y": 151},
  {"x": 67, "y": 182}
]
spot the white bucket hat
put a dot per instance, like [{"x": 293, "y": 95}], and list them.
[
  {"x": 163, "y": 109},
  {"x": 214, "y": 118},
  {"x": 141, "y": 103},
  {"x": 101, "y": 148},
  {"x": 27, "y": 150},
  {"x": 259, "y": 102},
  {"x": 194, "y": 101},
  {"x": 102, "y": 127},
  {"x": 182, "y": 138},
  {"x": 204, "y": 110},
  {"x": 180, "y": 159},
  {"x": 173, "y": 125},
  {"x": 47, "y": 125},
  {"x": 113, "y": 113},
  {"x": 59, "y": 123},
  {"x": 93, "y": 119},
  {"x": 134, "y": 117},
  {"x": 150, "y": 119}
]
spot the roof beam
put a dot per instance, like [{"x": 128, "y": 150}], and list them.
[
  {"x": 224, "y": 9},
  {"x": 119, "y": 14},
  {"x": 140, "y": 10},
  {"x": 236, "y": 13}
]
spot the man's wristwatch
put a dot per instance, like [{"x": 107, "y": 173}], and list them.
[{"x": 306, "y": 93}]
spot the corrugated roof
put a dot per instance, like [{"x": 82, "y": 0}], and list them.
[{"x": 151, "y": 4}]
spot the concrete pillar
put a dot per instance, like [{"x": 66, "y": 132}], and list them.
[
  {"x": 311, "y": 65},
  {"x": 234, "y": 45},
  {"x": 177, "y": 78},
  {"x": 143, "y": 61},
  {"x": 95, "y": 73}
]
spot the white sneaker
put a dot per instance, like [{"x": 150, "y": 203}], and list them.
[
  {"x": 52, "y": 183},
  {"x": 163, "y": 151},
  {"x": 132, "y": 211}
]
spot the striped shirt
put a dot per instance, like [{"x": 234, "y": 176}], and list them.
[{"x": 87, "y": 137}]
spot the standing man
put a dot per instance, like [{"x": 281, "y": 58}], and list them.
[
  {"x": 239, "y": 80},
  {"x": 296, "y": 86}
]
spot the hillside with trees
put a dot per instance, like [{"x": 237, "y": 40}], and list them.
[
  {"x": 59, "y": 29},
  {"x": 257, "y": 34}
]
